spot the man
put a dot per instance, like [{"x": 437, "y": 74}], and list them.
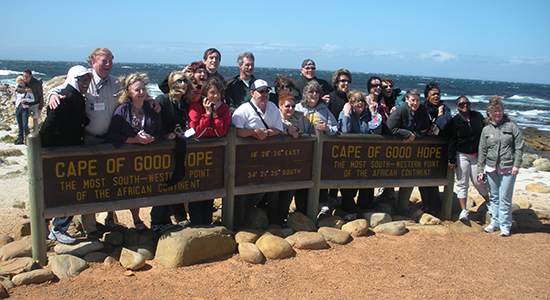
[
  {"x": 308, "y": 73},
  {"x": 212, "y": 59},
  {"x": 409, "y": 122},
  {"x": 259, "y": 118},
  {"x": 34, "y": 86},
  {"x": 238, "y": 89},
  {"x": 392, "y": 94}
]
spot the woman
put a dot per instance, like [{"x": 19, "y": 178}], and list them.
[
  {"x": 210, "y": 117},
  {"x": 64, "y": 126},
  {"x": 196, "y": 73},
  {"x": 283, "y": 83},
  {"x": 341, "y": 81},
  {"x": 500, "y": 155},
  {"x": 293, "y": 121},
  {"x": 174, "y": 106},
  {"x": 466, "y": 129},
  {"x": 374, "y": 88},
  {"x": 355, "y": 118},
  {"x": 317, "y": 114},
  {"x": 22, "y": 97},
  {"x": 133, "y": 122}
]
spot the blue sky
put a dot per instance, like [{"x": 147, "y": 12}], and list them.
[{"x": 490, "y": 40}]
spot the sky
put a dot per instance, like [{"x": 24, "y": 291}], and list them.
[{"x": 488, "y": 40}]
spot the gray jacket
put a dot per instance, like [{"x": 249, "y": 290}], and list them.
[{"x": 500, "y": 143}]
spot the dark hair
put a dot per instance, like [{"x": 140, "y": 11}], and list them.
[
  {"x": 28, "y": 72},
  {"x": 281, "y": 79},
  {"x": 460, "y": 97},
  {"x": 212, "y": 81},
  {"x": 430, "y": 86},
  {"x": 386, "y": 79},
  {"x": 209, "y": 51},
  {"x": 337, "y": 74},
  {"x": 369, "y": 82}
]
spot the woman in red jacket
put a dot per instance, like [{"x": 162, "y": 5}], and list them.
[{"x": 210, "y": 116}]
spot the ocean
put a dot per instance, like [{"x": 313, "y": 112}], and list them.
[{"x": 527, "y": 104}]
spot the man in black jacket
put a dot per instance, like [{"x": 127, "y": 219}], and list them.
[
  {"x": 308, "y": 73},
  {"x": 36, "y": 107},
  {"x": 237, "y": 90}
]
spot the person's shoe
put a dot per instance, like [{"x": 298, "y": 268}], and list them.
[
  {"x": 140, "y": 226},
  {"x": 18, "y": 142},
  {"x": 156, "y": 228},
  {"x": 109, "y": 222},
  {"x": 505, "y": 233},
  {"x": 490, "y": 229},
  {"x": 184, "y": 223},
  {"x": 464, "y": 215},
  {"x": 61, "y": 236}
]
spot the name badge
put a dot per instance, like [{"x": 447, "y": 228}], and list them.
[{"x": 97, "y": 106}]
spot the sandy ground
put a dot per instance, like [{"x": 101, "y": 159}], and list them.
[{"x": 416, "y": 265}]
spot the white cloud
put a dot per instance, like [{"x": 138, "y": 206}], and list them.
[{"x": 436, "y": 55}]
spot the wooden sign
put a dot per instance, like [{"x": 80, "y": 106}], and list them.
[
  {"x": 78, "y": 179},
  {"x": 273, "y": 162},
  {"x": 383, "y": 159}
]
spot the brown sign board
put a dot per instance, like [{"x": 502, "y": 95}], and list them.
[
  {"x": 276, "y": 161},
  {"x": 353, "y": 159},
  {"x": 89, "y": 177}
]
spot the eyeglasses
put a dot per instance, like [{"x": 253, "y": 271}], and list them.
[
  {"x": 289, "y": 106},
  {"x": 345, "y": 80},
  {"x": 309, "y": 68},
  {"x": 462, "y": 104},
  {"x": 387, "y": 86},
  {"x": 314, "y": 92},
  {"x": 184, "y": 80},
  {"x": 84, "y": 78}
]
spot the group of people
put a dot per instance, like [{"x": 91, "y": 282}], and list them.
[
  {"x": 198, "y": 102},
  {"x": 28, "y": 96}
]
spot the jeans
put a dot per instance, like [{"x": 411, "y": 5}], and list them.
[
  {"x": 62, "y": 224},
  {"x": 501, "y": 187},
  {"x": 22, "y": 117}
]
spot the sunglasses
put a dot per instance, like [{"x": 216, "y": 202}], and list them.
[
  {"x": 462, "y": 104},
  {"x": 264, "y": 91},
  {"x": 84, "y": 78},
  {"x": 309, "y": 68},
  {"x": 387, "y": 86},
  {"x": 289, "y": 106},
  {"x": 184, "y": 80},
  {"x": 345, "y": 80}
]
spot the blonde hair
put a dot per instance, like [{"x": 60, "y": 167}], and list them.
[
  {"x": 355, "y": 96},
  {"x": 126, "y": 81},
  {"x": 97, "y": 52},
  {"x": 20, "y": 77},
  {"x": 175, "y": 89}
]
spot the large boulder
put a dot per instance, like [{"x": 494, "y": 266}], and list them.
[
  {"x": 465, "y": 227},
  {"x": 300, "y": 222},
  {"x": 307, "y": 240},
  {"x": 356, "y": 228},
  {"x": 18, "y": 265},
  {"x": 131, "y": 259},
  {"x": 250, "y": 253},
  {"x": 22, "y": 229},
  {"x": 274, "y": 247},
  {"x": 187, "y": 246},
  {"x": 20, "y": 248},
  {"x": 80, "y": 248},
  {"x": 376, "y": 218},
  {"x": 66, "y": 266},
  {"x": 391, "y": 228},
  {"x": 34, "y": 276},
  {"x": 247, "y": 236},
  {"x": 334, "y": 235}
]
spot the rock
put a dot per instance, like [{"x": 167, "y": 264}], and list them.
[
  {"x": 96, "y": 257},
  {"x": 333, "y": 221},
  {"x": 20, "y": 248},
  {"x": 114, "y": 238},
  {"x": 391, "y": 228},
  {"x": 526, "y": 221},
  {"x": 375, "y": 218},
  {"x": 149, "y": 237},
  {"x": 247, "y": 236},
  {"x": 131, "y": 260},
  {"x": 34, "y": 276},
  {"x": 18, "y": 265},
  {"x": 433, "y": 230},
  {"x": 5, "y": 239},
  {"x": 80, "y": 248},
  {"x": 300, "y": 222},
  {"x": 66, "y": 266},
  {"x": 256, "y": 219},
  {"x": 427, "y": 219},
  {"x": 307, "y": 240},
  {"x": 356, "y": 228},
  {"x": 334, "y": 235},
  {"x": 187, "y": 246},
  {"x": 7, "y": 283},
  {"x": 287, "y": 231},
  {"x": 275, "y": 229},
  {"x": 416, "y": 214},
  {"x": 274, "y": 247},
  {"x": 537, "y": 188},
  {"x": 22, "y": 229},
  {"x": 465, "y": 227},
  {"x": 131, "y": 237},
  {"x": 109, "y": 260},
  {"x": 3, "y": 293},
  {"x": 250, "y": 253},
  {"x": 148, "y": 251},
  {"x": 542, "y": 213},
  {"x": 542, "y": 164}
]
